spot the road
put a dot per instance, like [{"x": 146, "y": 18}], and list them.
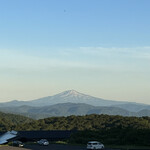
[
  {"x": 49, "y": 147},
  {"x": 55, "y": 147}
]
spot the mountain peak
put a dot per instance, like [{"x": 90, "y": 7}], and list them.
[
  {"x": 73, "y": 92},
  {"x": 69, "y": 93}
]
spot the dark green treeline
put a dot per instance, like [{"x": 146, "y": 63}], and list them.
[{"x": 105, "y": 128}]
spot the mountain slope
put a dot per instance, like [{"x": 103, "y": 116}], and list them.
[
  {"x": 144, "y": 112},
  {"x": 73, "y": 96},
  {"x": 134, "y": 107}
]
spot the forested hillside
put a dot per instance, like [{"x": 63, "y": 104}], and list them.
[
  {"x": 87, "y": 122},
  {"x": 11, "y": 121}
]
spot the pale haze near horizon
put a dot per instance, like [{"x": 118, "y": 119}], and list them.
[{"x": 99, "y": 48}]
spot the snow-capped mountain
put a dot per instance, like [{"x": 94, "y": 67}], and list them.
[{"x": 72, "y": 96}]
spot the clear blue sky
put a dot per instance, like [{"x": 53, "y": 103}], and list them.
[{"x": 97, "y": 47}]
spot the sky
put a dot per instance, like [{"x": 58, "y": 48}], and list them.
[{"x": 97, "y": 47}]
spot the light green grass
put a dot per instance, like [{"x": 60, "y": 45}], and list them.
[
  {"x": 61, "y": 142},
  {"x": 4, "y": 145}
]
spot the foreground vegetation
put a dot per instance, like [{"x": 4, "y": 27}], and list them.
[
  {"x": 111, "y": 130},
  {"x": 88, "y": 122},
  {"x": 11, "y": 121}
]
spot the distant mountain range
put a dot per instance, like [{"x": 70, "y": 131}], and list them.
[{"x": 73, "y": 103}]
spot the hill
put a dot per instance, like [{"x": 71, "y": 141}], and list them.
[{"x": 10, "y": 121}]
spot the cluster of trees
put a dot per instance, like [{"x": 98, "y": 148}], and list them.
[
  {"x": 92, "y": 122},
  {"x": 11, "y": 121},
  {"x": 105, "y": 128},
  {"x": 87, "y": 122}
]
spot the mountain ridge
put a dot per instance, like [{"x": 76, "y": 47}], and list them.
[{"x": 67, "y": 109}]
